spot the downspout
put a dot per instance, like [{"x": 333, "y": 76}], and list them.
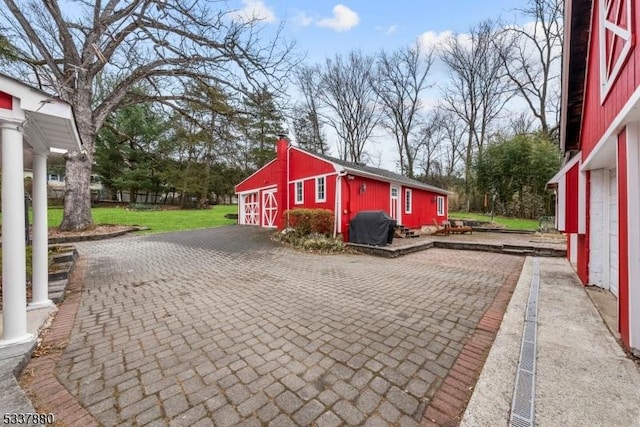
[
  {"x": 348, "y": 207},
  {"x": 288, "y": 183},
  {"x": 338, "y": 203}
]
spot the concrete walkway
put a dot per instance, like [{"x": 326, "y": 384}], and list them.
[
  {"x": 14, "y": 358},
  {"x": 582, "y": 375}
]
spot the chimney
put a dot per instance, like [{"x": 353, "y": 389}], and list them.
[{"x": 281, "y": 145}]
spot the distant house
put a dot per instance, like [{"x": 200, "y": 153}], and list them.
[
  {"x": 598, "y": 189},
  {"x": 297, "y": 178},
  {"x": 55, "y": 184}
]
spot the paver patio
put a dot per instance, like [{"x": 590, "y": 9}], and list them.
[{"x": 222, "y": 327}]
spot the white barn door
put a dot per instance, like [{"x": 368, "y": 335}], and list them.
[
  {"x": 269, "y": 208},
  {"x": 250, "y": 209}
]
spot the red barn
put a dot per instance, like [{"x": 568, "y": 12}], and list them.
[
  {"x": 598, "y": 189},
  {"x": 300, "y": 179}
]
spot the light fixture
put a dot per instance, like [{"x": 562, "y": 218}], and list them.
[{"x": 363, "y": 188}]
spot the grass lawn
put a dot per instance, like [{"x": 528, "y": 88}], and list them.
[
  {"x": 512, "y": 223},
  {"x": 159, "y": 221}
]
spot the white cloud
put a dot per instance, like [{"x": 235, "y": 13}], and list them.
[
  {"x": 302, "y": 19},
  {"x": 343, "y": 19},
  {"x": 431, "y": 40},
  {"x": 392, "y": 29},
  {"x": 252, "y": 10}
]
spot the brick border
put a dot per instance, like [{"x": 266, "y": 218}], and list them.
[
  {"x": 38, "y": 379},
  {"x": 448, "y": 404}
]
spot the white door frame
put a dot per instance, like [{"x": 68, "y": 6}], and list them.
[
  {"x": 269, "y": 208},
  {"x": 251, "y": 210},
  {"x": 397, "y": 198}
]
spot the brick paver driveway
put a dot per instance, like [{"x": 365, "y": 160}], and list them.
[{"x": 223, "y": 326}]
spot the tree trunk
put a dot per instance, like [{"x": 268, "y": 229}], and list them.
[
  {"x": 78, "y": 165},
  {"x": 77, "y": 192}
]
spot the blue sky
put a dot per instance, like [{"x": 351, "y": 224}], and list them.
[{"x": 324, "y": 28}]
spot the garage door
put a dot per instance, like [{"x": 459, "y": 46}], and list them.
[
  {"x": 269, "y": 208},
  {"x": 250, "y": 209},
  {"x": 613, "y": 233}
]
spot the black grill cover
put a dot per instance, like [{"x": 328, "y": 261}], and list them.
[{"x": 372, "y": 228}]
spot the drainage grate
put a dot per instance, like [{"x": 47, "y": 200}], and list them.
[{"x": 522, "y": 409}]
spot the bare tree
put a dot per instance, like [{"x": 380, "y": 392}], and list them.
[
  {"x": 478, "y": 89},
  {"x": 400, "y": 80},
  {"x": 454, "y": 134},
  {"x": 159, "y": 43},
  {"x": 521, "y": 123},
  {"x": 531, "y": 57},
  {"x": 307, "y": 122},
  {"x": 431, "y": 136},
  {"x": 352, "y": 105}
]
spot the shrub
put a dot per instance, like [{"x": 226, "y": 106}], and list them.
[
  {"x": 313, "y": 242},
  {"x": 307, "y": 221},
  {"x": 142, "y": 207}
]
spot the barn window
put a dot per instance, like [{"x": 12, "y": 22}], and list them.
[
  {"x": 616, "y": 40},
  {"x": 321, "y": 195},
  {"x": 299, "y": 192},
  {"x": 440, "y": 206},
  {"x": 407, "y": 201}
]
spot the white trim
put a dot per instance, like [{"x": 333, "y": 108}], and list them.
[
  {"x": 408, "y": 197},
  {"x": 322, "y": 199},
  {"x": 440, "y": 204},
  {"x": 628, "y": 113},
  {"x": 295, "y": 192},
  {"x": 309, "y": 178},
  {"x": 561, "y": 211},
  {"x": 582, "y": 202},
  {"x": 573, "y": 248},
  {"x": 607, "y": 80},
  {"x": 253, "y": 190},
  {"x": 633, "y": 235},
  {"x": 566, "y": 168},
  {"x": 398, "y": 210}
]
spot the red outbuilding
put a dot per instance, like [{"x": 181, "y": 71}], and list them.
[
  {"x": 598, "y": 189},
  {"x": 297, "y": 178}
]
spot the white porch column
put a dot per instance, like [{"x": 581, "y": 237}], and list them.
[
  {"x": 14, "y": 302},
  {"x": 40, "y": 258}
]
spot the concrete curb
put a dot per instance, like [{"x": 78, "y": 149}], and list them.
[
  {"x": 91, "y": 237},
  {"x": 523, "y": 250}
]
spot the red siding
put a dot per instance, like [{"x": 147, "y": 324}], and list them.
[
  {"x": 309, "y": 194},
  {"x": 571, "y": 197},
  {"x": 265, "y": 177},
  {"x": 423, "y": 210},
  {"x": 6, "y": 101},
  {"x": 623, "y": 247},
  {"x": 304, "y": 165},
  {"x": 597, "y": 116}
]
